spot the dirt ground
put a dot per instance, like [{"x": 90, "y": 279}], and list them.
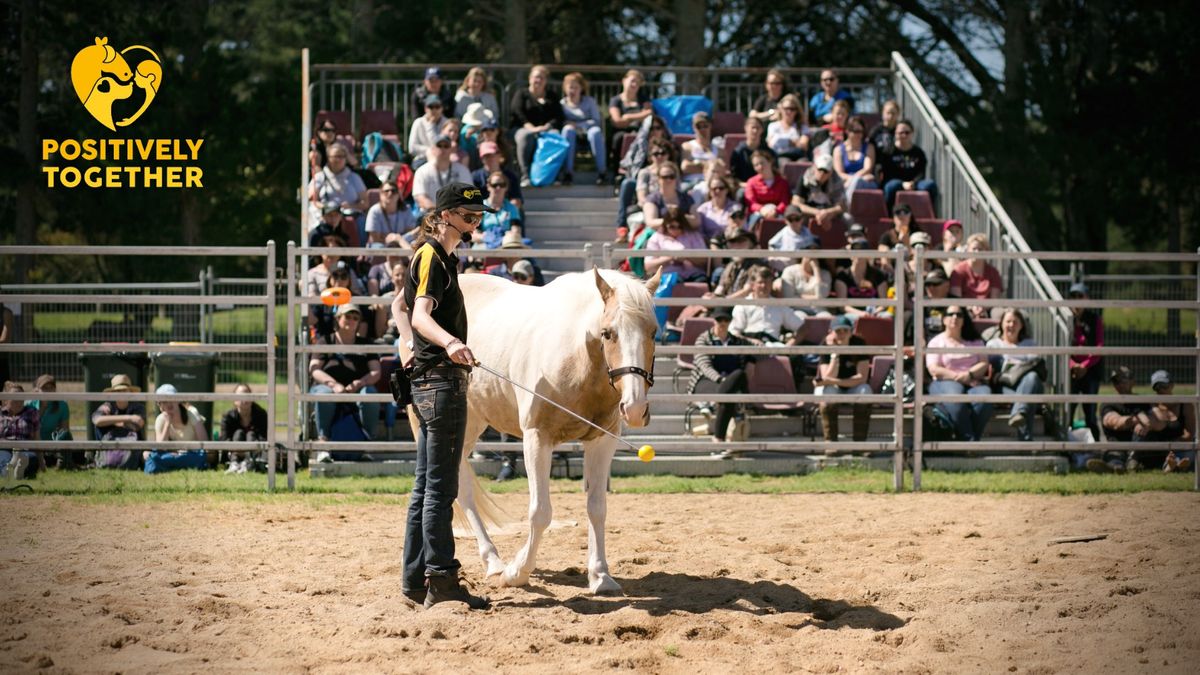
[{"x": 714, "y": 583}]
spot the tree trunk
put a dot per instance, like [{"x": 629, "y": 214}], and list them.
[
  {"x": 688, "y": 44},
  {"x": 515, "y": 32},
  {"x": 27, "y": 139}
]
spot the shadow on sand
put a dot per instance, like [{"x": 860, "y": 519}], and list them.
[{"x": 659, "y": 593}]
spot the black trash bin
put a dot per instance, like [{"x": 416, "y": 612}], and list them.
[
  {"x": 190, "y": 373},
  {"x": 99, "y": 370}
]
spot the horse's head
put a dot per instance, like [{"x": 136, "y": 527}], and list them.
[{"x": 626, "y": 334}]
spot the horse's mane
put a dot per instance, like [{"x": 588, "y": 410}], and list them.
[{"x": 633, "y": 299}]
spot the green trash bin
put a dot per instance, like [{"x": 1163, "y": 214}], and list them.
[
  {"x": 98, "y": 372},
  {"x": 190, "y": 373}
]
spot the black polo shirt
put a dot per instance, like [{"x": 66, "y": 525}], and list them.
[{"x": 434, "y": 274}]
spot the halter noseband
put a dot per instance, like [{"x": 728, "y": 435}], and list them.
[{"x": 614, "y": 373}]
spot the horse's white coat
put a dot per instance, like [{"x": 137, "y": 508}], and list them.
[{"x": 560, "y": 341}]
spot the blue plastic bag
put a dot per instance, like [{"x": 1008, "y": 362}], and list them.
[
  {"x": 665, "y": 284},
  {"x": 548, "y": 159},
  {"x": 677, "y": 111}
]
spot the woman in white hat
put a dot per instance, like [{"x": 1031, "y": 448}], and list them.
[{"x": 177, "y": 421}]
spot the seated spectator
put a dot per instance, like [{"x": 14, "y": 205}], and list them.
[
  {"x": 741, "y": 161},
  {"x": 766, "y": 194},
  {"x": 475, "y": 89},
  {"x": 426, "y": 130},
  {"x": 676, "y": 233},
  {"x": 493, "y": 159},
  {"x": 638, "y": 188},
  {"x": 976, "y": 278},
  {"x": 337, "y": 373},
  {"x": 321, "y": 316},
  {"x": 177, "y": 421},
  {"x": 389, "y": 217},
  {"x": 952, "y": 235},
  {"x": 903, "y": 226},
  {"x": 883, "y": 136},
  {"x": 854, "y": 160},
  {"x": 55, "y": 421},
  {"x": 699, "y": 153},
  {"x": 385, "y": 280},
  {"x": 766, "y": 106},
  {"x": 668, "y": 195},
  {"x": 119, "y": 420},
  {"x": 1085, "y": 369},
  {"x": 433, "y": 84},
  {"x": 795, "y": 237},
  {"x": 638, "y": 155},
  {"x": 821, "y": 196},
  {"x": 245, "y": 422},
  {"x": 320, "y": 144},
  {"x": 524, "y": 272},
  {"x": 904, "y": 167},
  {"x": 470, "y": 133},
  {"x": 807, "y": 279},
  {"x": 788, "y": 136},
  {"x": 937, "y": 287},
  {"x": 821, "y": 105},
  {"x": 439, "y": 171},
  {"x": 1125, "y": 422},
  {"x": 716, "y": 169},
  {"x": 581, "y": 116},
  {"x": 18, "y": 422},
  {"x": 961, "y": 373},
  {"x": 732, "y": 278},
  {"x": 504, "y": 220},
  {"x": 317, "y": 278},
  {"x": 1017, "y": 373},
  {"x": 1168, "y": 422},
  {"x": 834, "y": 132},
  {"x": 922, "y": 240},
  {"x": 841, "y": 374},
  {"x": 729, "y": 372},
  {"x": 534, "y": 111},
  {"x": 626, "y": 111},
  {"x": 332, "y": 223},
  {"x": 765, "y": 325},
  {"x": 336, "y": 183},
  {"x": 861, "y": 280},
  {"x": 714, "y": 215}
]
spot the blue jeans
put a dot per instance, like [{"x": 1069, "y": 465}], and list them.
[
  {"x": 595, "y": 137},
  {"x": 31, "y": 462},
  {"x": 626, "y": 198},
  {"x": 325, "y": 411},
  {"x": 1029, "y": 384},
  {"x": 893, "y": 186},
  {"x": 440, "y": 402},
  {"x": 162, "y": 461},
  {"x": 1088, "y": 383},
  {"x": 970, "y": 419}
]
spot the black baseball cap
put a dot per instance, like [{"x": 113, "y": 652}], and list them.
[{"x": 461, "y": 196}]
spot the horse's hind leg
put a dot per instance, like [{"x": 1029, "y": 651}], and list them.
[
  {"x": 597, "y": 462},
  {"x": 537, "y": 466},
  {"x": 467, "y": 483}
]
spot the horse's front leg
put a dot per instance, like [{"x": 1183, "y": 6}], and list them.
[
  {"x": 467, "y": 484},
  {"x": 537, "y": 466},
  {"x": 597, "y": 462}
]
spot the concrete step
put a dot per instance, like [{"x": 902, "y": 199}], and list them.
[
  {"x": 595, "y": 235},
  {"x": 561, "y": 204},
  {"x": 569, "y": 219},
  {"x": 582, "y": 188}
]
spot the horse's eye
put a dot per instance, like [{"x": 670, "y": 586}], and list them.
[{"x": 607, "y": 334}]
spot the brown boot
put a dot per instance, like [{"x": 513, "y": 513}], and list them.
[
  {"x": 448, "y": 589},
  {"x": 862, "y": 421},
  {"x": 829, "y": 425}
]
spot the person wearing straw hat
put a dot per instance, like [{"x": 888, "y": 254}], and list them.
[{"x": 119, "y": 419}]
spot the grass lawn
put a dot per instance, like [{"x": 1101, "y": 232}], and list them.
[
  {"x": 129, "y": 487},
  {"x": 1148, "y": 320}
]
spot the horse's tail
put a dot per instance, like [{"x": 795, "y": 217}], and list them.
[{"x": 492, "y": 517}]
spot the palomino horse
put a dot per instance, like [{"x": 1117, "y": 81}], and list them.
[{"x": 585, "y": 341}]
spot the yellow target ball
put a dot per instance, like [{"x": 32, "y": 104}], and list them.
[{"x": 646, "y": 453}]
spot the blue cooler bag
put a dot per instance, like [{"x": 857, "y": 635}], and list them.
[
  {"x": 677, "y": 111},
  {"x": 548, "y": 159}
]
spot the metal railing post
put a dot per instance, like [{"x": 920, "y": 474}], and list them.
[
  {"x": 898, "y": 370},
  {"x": 919, "y": 363},
  {"x": 1196, "y": 384},
  {"x": 587, "y": 257},
  {"x": 203, "y": 291},
  {"x": 271, "y": 384},
  {"x": 290, "y": 280}
]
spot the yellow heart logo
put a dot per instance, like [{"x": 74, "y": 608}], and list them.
[{"x": 102, "y": 77}]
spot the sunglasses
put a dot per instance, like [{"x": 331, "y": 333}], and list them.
[
  {"x": 856, "y": 131},
  {"x": 957, "y": 314},
  {"x": 702, "y": 125},
  {"x": 470, "y": 218},
  {"x": 903, "y": 133},
  {"x": 667, "y": 176},
  {"x": 658, "y": 153},
  {"x": 674, "y": 226},
  {"x": 444, "y": 146},
  {"x": 774, "y": 83},
  {"x": 498, "y": 185},
  {"x": 387, "y": 193},
  {"x": 794, "y": 219},
  {"x": 829, "y": 79},
  {"x": 329, "y": 129},
  {"x": 433, "y": 106},
  {"x": 519, "y": 277},
  {"x": 717, "y": 188}
]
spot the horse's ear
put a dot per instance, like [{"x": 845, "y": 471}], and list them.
[
  {"x": 606, "y": 291},
  {"x": 652, "y": 282}
]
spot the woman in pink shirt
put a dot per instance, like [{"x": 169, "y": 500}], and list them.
[
  {"x": 977, "y": 278},
  {"x": 958, "y": 373},
  {"x": 677, "y": 234}
]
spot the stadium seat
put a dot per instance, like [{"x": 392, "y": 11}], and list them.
[
  {"x": 793, "y": 172},
  {"x": 766, "y": 228},
  {"x": 879, "y": 368},
  {"x": 731, "y": 143},
  {"x": 372, "y": 197},
  {"x": 725, "y": 123},
  {"x": 918, "y": 200},
  {"x": 686, "y": 289},
  {"x": 870, "y": 120},
  {"x": 875, "y": 330},
  {"x": 383, "y": 121},
  {"x": 930, "y": 226},
  {"x": 684, "y": 363},
  {"x": 868, "y": 206},
  {"x": 340, "y": 119},
  {"x": 834, "y": 237},
  {"x": 815, "y": 329},
  {"x": 773, "y": 375},
  {"x": 387, "y": 365},
  {"x": 876, "y": 228},
  {"x": 982, "y": 325}
]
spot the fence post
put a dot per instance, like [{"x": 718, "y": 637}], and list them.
[
  {"x": 919, "y": 363},
  {"x": 290, "y": 280},
  {"x": 1196, "y": 384},
  {"x": 898, "y": 371},
  {"x": 203, "y": 291},
  {"x": 606, "y": 256},
  {"x": 587, "y": 257},
  {"x": 271, "y": 384}
]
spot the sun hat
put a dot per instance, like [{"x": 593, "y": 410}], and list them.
[{"x": 121, "y": 382}]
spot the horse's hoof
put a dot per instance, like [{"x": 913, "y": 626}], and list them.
[
  {"x": 495, "y": 566},
  {"x": 513, "y": 577},
  {"x": 604, "y": 584}
]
